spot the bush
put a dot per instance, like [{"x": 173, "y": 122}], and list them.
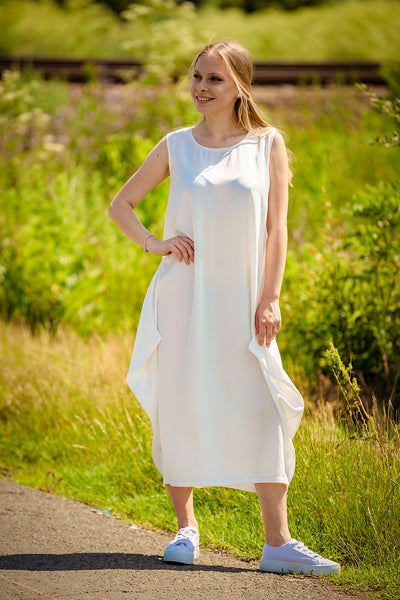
[
  {"x": 61, "y": 258},
  {"x": 351, "y": 284},
  {"x": 351, "y": 293}
]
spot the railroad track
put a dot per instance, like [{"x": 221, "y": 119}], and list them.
[{"x": 266, "y": 73}]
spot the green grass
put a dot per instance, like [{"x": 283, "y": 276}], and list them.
[
  {"x": 346, "y": 30},
  {"x": 363, "y": 29},
  {"x": 69, "y": 425}
]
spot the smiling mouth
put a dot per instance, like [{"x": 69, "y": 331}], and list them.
[{"x": 203, "y": 99}]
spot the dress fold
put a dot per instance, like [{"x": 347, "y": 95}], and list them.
[{"x": 223, "y": 410}]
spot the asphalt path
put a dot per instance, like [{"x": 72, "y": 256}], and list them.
[{"x": 52, "y": 549}]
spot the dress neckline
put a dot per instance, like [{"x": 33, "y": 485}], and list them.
[{"x": 219, "y": 148}]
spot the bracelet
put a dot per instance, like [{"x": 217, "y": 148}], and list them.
[{"x": 145, "y": 242}]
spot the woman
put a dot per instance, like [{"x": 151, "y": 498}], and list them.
[{"x": 205, "y": 365}]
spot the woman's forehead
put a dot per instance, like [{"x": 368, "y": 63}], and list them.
[{"x": 210, "y": 63}]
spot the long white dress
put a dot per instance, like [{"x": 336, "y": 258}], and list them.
[{"x": 222, "y": 408}]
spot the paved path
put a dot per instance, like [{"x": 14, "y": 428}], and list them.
[{"x": 57, "y": 549}]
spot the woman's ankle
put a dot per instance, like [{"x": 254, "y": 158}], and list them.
[
  {"x": 188, "y": 523},
  {"x": 277, "y": 539}
]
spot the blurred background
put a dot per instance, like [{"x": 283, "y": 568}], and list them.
[
  {"x": 72, "y": 286},
  {"x": 270, "y": 29}
]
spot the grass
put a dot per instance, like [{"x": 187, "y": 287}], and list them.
[
  {"x": 69, "y": 425},
  {"x": 354, "y": 29},
  {"x": 346, "y": 30}
]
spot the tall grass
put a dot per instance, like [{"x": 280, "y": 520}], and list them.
[{"x": 68, "y": 424}]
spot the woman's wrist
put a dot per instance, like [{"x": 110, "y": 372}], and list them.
[
  {"x": 145, "y": 243},
  {"x": 270, "y": 297}
]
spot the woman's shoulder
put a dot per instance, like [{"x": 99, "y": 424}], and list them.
[
  {"x": 269, "y": 134},
  {"x": 176, "y": 134},
  {"x": 263, "y": 140},
  {"x": 264, "y": 136}
]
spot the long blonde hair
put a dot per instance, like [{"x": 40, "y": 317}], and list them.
[{"x": 239, "y": 65}]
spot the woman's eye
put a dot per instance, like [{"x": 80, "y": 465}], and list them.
[
  {"x": 216, "y": 79},
  {"x": 196, "y": 76}
]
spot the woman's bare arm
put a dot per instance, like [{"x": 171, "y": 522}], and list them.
[
  {"x": 121, "y": 210},
  {"x": 268, "y": 318}
]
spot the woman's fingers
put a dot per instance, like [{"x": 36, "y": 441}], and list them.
[
  {"x": 188, "y": 251},
  {"x": 269, "y": 334},
  {"x": 267, "y": 321},
  {"x": 183, "y": 248},
  {"x": 266, "y": 331}
]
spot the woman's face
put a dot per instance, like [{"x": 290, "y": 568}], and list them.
[{"x": 213, "y": 89}]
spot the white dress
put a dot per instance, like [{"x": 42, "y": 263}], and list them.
[{"x": 222, "y": 408}]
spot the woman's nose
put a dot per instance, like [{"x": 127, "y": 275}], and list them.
[{"x": 202, "y": 85}]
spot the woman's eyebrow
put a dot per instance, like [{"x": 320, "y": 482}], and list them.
[{"x": 197, "y": 71}]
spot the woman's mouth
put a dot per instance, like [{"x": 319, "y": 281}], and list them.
[{"x": 203, "y": 99}]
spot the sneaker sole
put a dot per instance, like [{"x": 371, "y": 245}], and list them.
[
  {"x": 274, "y": 566},
  {"x": 179, "y": 556}
]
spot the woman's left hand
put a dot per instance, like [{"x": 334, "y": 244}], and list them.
[{"x": 268, "y": 321}]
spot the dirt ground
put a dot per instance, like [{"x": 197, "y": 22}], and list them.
[{"x": 52, "y": 548}]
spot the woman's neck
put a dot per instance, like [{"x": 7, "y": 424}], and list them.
[{"x": 217, "y": 129}]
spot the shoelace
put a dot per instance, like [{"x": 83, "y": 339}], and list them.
[
  {"x": 186, "y": 535},
  {"x": 302, "y": 548}
]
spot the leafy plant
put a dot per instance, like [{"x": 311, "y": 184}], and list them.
[
  {"x": 350, "y": 292},
  {"x": 390, "y": 108},
  {"x": 170, "y": 39}
]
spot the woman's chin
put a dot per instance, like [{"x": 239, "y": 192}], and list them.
[{"x": 203, "y": 106}]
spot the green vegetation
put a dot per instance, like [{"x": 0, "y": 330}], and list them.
[
  {"x": 363, "y": 29},
  {"x": 347, "y": 30},
  {"x": 118, "y": 6},
  {"x": 257, "y": 5},
  {"x": 74, "y": 428},
  {"x": 63, "y": 260}
]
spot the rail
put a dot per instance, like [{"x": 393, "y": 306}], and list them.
[{"x": 266, "y": 72}]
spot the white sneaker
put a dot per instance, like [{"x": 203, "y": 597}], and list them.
[
  {"x": 295, "y": 557},
  {"x": 185, "y": 547}
]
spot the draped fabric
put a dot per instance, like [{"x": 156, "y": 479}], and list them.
[{"x": 222, "y": 408}]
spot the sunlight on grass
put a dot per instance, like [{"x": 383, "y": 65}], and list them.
[
  {"x": 70, "y": 425},
  {"x": 355, "y": 29},
  {"x": 346, "y": 30}
]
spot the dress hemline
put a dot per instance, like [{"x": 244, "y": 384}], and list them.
[{"x": 228, "y": 483}]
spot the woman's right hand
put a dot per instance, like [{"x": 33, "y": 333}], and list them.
[{"x": 180, "y": 245}]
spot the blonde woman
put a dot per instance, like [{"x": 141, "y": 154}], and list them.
[{"x": 205, "y": 366}]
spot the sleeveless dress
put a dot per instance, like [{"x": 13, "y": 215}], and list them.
[{"x": 223, "y": 410}]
